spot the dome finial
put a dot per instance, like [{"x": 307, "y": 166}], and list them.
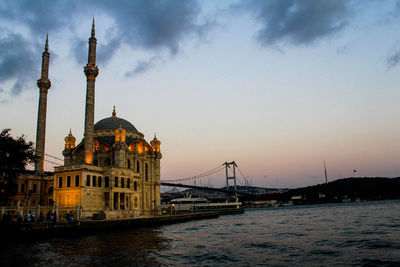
[
  {"x": 155, "y": 137},
  {"x": 70, "y": 131},
  {"x": 114, "y": 113}
]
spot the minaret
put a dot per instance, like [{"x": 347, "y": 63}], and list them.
[
  {"x": 44, "y": 84},
  {"x": 91, "y": 72}
]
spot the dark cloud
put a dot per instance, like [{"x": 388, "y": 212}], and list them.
[
  {"x": 143, "y": 66},
  {"x": 393, "y": 60},
  {"x": 142, "y": 24},
  {"x": 297, "y": 21},
  {"x": 18, "y": 62}
]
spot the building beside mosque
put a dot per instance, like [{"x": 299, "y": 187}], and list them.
[{"x": 113, "y": 172}]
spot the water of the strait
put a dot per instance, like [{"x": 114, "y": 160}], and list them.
[{"x": 350, "y": 234}]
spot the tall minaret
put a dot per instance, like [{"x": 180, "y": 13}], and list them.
[
  {"x": 91, "y": 72},
  {"x": 44, "y": 84}
]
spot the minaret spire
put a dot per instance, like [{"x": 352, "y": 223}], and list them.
[
  {"x": 93, "y": 32},
  {"x": 46, "y": 46},
  {"x": 44, "y": 84},
  {"x": 91, "y": 72}
]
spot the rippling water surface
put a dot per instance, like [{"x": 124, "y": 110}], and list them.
[{"x": 352, "y": 234}]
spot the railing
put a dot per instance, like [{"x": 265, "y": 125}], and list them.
[{"x": 40, "y": 213}]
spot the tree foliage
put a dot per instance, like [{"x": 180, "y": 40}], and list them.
[{"x": 15, "y": 154}]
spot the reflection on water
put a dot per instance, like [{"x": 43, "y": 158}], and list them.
[
  {"x": 133, "y": 247},
  {"x": 359, "y": 234}
]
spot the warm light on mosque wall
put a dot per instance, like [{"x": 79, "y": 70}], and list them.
[
  {"x": 100, "y": 146},
  {"x": 140, "y": 147},
  {"x": 131, "y": 147},
  {"x": 88, "y": 159},
  {"x": 69, "y": 142},
  {"x": 120, "y": 136}
]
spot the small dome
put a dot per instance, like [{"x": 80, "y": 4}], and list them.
[{"x": 112, "y": 123}]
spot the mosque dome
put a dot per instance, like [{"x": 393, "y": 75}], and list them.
[{"x": 113, "y": 123}]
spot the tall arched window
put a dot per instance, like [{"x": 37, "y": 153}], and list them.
[
  {"x": 146, "y": 172},
  {"x": 135, "y": 185},
  {"x": 137, "y": 166},
  {"x": 129, "y": 164}
]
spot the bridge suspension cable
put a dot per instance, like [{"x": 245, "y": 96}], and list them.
[
  {"x": 55, "y": 163},
  {"x": 54, "y": 157},
  {"x": 204, "y": 174}
]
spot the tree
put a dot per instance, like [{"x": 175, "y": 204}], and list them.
[{"x": 15, "y": 154}]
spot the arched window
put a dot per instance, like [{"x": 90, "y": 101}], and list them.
[
  {"x": 146, "y": 172},
  {"x": 135, "y": 185},
  {"x": 68, "y": 181},
  {"x": 128, "y": 183},
  {"x": 122, "y": 182},
  {"x": 137, "y": 166},
  {"x": 106, "y": 182},
  {"x": 116, "y": 182},
  {"x": 129, "y": 164},
  {"x": 94, "y": 181},
  {"x": 99, "y": 181},
  {"x": 60, "y": 181},
  {"x": 88, "y": 180},
  {"x": 76, "y": 180}
]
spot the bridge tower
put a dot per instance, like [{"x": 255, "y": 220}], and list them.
[{"x": 227, "y": 165}]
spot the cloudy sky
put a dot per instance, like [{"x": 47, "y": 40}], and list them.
[{"x": 279, "y": 86}]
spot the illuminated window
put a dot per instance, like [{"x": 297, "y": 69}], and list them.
[
  {"x": 76, "y": 180},
  {"x": 94, "y": 181},
  {"x": 88, "y": 180},
  {"x": 106, "y": 182},
  {"x": 68, "y": 181},
  {"x": 60, "y": 181}
]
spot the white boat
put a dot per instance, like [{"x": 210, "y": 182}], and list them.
[{"x": 189, "y": 204}]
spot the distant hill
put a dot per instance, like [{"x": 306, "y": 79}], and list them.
[{"x": 349, "y": 189}]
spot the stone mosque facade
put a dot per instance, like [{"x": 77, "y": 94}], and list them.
[{"x": 113, "y": 172}]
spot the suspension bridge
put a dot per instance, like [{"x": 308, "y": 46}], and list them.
[{"x": 217, "y": 179}]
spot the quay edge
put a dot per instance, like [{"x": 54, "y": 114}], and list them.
[{"x": 24, "y": 232}]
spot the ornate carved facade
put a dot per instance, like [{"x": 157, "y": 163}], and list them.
[{"x": 112, "y": 172}]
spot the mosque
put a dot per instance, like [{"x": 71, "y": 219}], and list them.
[{"x": 112, "y": 173}]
